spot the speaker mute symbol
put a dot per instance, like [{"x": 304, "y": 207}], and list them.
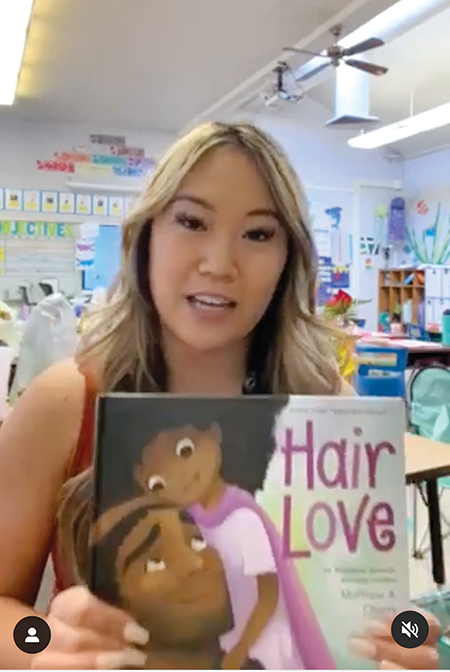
[{"x": 409, "y": 629}]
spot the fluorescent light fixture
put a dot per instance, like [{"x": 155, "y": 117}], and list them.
[
  {"x": 14, "y": 20},
  {"x": 394, "y": 17},
  {"x": 426, "y": 121}
]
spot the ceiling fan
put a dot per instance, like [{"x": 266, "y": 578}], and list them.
[{"x": 336, "y": 55}]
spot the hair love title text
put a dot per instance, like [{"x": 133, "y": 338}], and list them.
[{"x": 343, "y": 465}]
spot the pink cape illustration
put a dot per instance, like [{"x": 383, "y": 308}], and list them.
[{"x": 307, "y": 635}]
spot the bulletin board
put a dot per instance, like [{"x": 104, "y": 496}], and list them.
[
  {"x": 33, "y": 251},
  {"x": 30, "y": 202}
]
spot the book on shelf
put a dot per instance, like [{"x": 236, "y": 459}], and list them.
[{"x": 250, "y": 533}]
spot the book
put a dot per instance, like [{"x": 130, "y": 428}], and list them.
[{"x": 252, "y": 532}]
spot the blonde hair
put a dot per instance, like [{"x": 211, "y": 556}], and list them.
[{"x": 291, "y": 350}]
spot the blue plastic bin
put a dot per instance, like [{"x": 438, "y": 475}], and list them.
[{"x": 381, "y": 371}]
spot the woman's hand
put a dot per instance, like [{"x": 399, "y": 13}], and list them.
[
  {"x": 90, "y": 634},
  {"x": 376, "y": 644}
]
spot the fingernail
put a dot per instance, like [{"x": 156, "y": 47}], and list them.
[
  {"x": 363, "y": 648},
  {"x": 434, "y": 655},
  {"x": 377, "y": 628},
  {"x": 387, "y": 665},
  {"x": 134, "y": 634},
  {"x": 117, "y": 660}
]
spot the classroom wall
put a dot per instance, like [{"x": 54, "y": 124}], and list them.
[
  {"x": 23, "y": 143},
  {"x": 427, "y": 187},
  {"x": 25, "y": 261},
  {"x": 320, "y": 155},
  {"x": 331, "y": 171},
  {"x": 428, "y": 172}
]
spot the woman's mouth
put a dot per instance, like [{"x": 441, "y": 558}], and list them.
[{"x": 210, "y": 302}]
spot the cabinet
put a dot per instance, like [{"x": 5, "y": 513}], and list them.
[
  {"x": 396, "y": 286},
  {"x": 427, "y": 288}
]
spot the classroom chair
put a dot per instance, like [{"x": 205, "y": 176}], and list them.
[
  {"x": 380, "y": 371},
  {"x": 438, "y": 604},
  {"x": 429, "y": 416}
]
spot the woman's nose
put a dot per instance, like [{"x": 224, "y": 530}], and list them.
[{"x": 219, "y": 258}]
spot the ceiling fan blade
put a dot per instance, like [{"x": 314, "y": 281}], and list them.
[
  {"x": 313, "y": 72},
  {"x": 365, "y": 45},
  {"x": 304, "y": 51},
  {"x": 371, "y": 68}
]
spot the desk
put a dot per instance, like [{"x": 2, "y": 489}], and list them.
[
  {"x": 417, "y": 350},
  {"x": 427, "y": 461}
]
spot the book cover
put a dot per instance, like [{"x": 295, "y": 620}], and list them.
[{"x": 250, "y": 533}]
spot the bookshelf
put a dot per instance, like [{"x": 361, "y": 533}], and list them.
[{"x": 398, "y": 285}]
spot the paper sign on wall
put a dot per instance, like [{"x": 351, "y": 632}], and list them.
[
  {"x": 103, "y": 139},
  {"x": 100, "y": 208},
  {"x": 325, "y": 287},
  {"x": 340, "y": 277},
  {"x": 49, "y": 201},
  {"x": 67, "y": 203},
  {"x": 84, "y": 253},
  {"x": 130, "y": 203},
  {"x": 89, "y": 230},
  {"x": 83, "y": 204},
  {"x": 368, "y": 245},
  {"x": 116, "y": 206},
  {"x": 31, "y": 200},
  {"x": 13, "y": 198}
]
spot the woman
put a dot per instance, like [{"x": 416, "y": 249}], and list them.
[{"x": 216, "y": 296}]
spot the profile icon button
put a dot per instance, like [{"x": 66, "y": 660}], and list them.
[{"x": 32, "y": 634}]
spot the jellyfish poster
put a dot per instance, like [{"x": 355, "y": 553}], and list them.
[{"x": 428, "y": 230}]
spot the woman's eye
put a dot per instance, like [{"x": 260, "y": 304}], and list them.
[
  {"x": 198, "y": 544},
  {"x": 260, "y": 235},
  {"x": 155, "y": 566},
  {"x": 185, "y": 448},
  {"x": 156, "y": 483},
  {"x": 190, "y": 223}
]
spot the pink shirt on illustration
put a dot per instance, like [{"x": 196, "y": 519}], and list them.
[{"x": 249, "y": 545}]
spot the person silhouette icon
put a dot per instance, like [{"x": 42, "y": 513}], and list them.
[{"x": 32, "y": 636}]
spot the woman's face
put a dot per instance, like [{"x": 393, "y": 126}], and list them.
[{"x": 216, "y": 253}]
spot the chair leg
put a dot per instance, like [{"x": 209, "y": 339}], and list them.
[
  {"x": 415, "y": 548},
  {"x": 421, "y": 550}
]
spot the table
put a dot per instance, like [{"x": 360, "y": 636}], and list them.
[
  {"x": 427, "y": 461},
  {"x": 417, "y": 350}
]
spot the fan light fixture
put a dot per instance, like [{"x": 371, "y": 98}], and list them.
[
  {"x": 14, "y": 19},
  {"x": 420, "y": 123}
]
